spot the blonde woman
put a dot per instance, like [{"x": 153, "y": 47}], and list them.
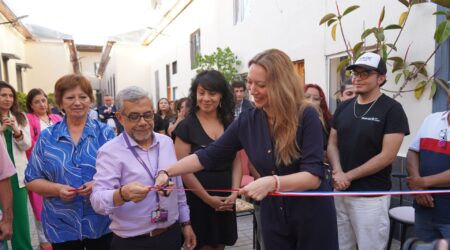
[{"x": 283, "y": 140}]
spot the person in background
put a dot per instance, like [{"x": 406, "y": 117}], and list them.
[
  {"x": 183, "y": 108},
  {"x": 39, "y": 118},
  {"x": 6, "y": 196},
  {"x": 366, "y": 135},
  {"x": 61, "y": 169},
  {"x": 126, "y": 167},
  {"x": 283, "y": 139},
  {"x": 173, "y": 106},
  {"x": 315, "y": 95},
  {"x": 347, "y": 90},
  {"x": 240, "y": 102},
  {"x": 165, "y": 112},
  {"x": 428, "y": 162},
  {"x": 15, "y": 133},
  {"x": 213, "y": 214},
  {"x": 106, "y": 113}
]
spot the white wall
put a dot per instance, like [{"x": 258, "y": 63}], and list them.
[
  {"x": 129, "y": 65},
  {"x": 11, "y": 42},
  {"x": 292, "y": 26},
  {"x": 50, "y": 61}
]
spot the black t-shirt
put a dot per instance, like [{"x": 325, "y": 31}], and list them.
[{"x": 360, "y": 131}]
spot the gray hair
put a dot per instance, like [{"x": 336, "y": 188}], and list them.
[{"x": 130, "y": 94}]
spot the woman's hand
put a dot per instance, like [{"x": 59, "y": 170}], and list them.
[
  {"x": 190, "y": 240},
  {"x": 230, "y": 201},
  {"x": 218, "y": 203},
  {"x": 259, "y": 189},
  {"x": 86, "y": 189},
  {"x": 66, "y": 192}
]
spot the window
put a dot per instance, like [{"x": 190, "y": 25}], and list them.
[
  {"x": 195, "y": 47},
  {"x": 19, "y": 78},
  {"x": 5, "y": 59},
  {"x": 168, "y": 88},
  {"x": 335, "y": 81},
  {"x": 174, "y": 93},
  {"x": 157, "y": 85},
  {"x": 174, "y": 68},
  {"x": 241, "y": 10}
]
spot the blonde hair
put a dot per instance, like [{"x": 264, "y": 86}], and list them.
[{"x": 286, "y": 100}]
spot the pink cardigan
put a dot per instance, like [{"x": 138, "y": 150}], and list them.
[{"x": 35, "y": 127}]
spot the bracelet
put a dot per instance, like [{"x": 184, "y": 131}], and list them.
[
  {"x": 277, "y": 183},
  {"x": 121, "y": 195},
  {"x": 186, "y": 223},
  {"x": 18, "y": 135},
  {"x": 163, "y": 171}
]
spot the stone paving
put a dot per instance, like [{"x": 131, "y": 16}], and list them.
[{"x": 244, "y": 242}]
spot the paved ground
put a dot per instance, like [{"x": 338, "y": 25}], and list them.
[{"x": 244, "y": 242}]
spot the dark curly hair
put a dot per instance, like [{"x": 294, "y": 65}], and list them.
[{"x": 213, "y": 80}]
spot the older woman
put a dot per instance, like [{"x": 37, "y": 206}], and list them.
[
  {"x": 283, "y": 140},
  {"x": 62, "y": 166},
  {"x": 212, "y": 214},
  {"x": 39, "y": 118},
  {"x": 15, "y": 134}
]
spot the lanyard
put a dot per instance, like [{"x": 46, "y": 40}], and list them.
[{"x": 142, "y": 162}]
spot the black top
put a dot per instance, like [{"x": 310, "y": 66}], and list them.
[
  {"x": 210, "y": 227},
  {"x": 158, "y": 123},
  {"x": 360, "y": 139},
  {"x": 287, "y": 222}
]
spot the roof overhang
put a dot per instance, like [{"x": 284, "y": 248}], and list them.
[{"x": 15, "y": 22}]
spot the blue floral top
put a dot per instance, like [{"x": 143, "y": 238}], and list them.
[{"x": 57, "y": 159}]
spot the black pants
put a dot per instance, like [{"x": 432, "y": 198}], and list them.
[
  {"x": 102, "y": 243},
  {"x": 170, "y": 240}
]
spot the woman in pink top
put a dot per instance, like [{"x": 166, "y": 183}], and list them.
[
  {"x": 6, "y": 170},
  {"x": 39, "y": 118}
]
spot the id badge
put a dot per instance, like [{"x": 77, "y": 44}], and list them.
[{"x": 159, "y": 215}]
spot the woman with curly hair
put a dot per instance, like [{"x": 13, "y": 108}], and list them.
[{"x": 213, "y": 215}]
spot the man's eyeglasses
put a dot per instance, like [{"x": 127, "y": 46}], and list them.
[
  {"x": 313, "y": 97},
  {"x": 442, "y": 143},
  {"x": 135, "y": 117},
  {"x": 363, "y": 75}
]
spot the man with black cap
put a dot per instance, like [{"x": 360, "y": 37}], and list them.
[{"x": 366, "y": 135}]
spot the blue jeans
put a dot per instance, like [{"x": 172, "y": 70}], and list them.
[
  {"x": 1, "y": 245},
  {"x": 427, "y": 230}
]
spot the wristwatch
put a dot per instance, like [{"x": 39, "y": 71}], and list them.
[{"x": 186, "y": 223}]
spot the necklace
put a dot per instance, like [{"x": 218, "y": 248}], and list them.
[
  {"x": 367, "y": 111},
  {"x": 48, "y": 123}
]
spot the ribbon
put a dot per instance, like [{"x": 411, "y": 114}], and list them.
[{"x": 314, "y": 193}]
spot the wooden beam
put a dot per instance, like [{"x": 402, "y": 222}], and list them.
[{"x": 17, "y": 24}]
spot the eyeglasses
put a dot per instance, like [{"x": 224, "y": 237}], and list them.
[
  {"x": 135, "y": 117},
  {"x": 363, "y": 75},
  {"x": 442, "y": 143},
  {"x": 313, "y": 97}
]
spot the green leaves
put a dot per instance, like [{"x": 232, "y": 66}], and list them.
[
  {"x": 442, "y": 32},
  {"x": 326, "y": 18},
  {"x": 333, "y": 32},
  {"x": 444, "y": 3},
  {"x": 350, "y": 9},
  {"x": 402, "y": 18},
  {"x": 223, "y": 60},
  {"x": 420, "y": 87},
  {"x": 404, "y": 2}
]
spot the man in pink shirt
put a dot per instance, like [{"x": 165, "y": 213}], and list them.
[{"x": 6, "y": 170}]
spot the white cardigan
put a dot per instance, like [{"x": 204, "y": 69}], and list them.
[{"x": 19, "y": 149}]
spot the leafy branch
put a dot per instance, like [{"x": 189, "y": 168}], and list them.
[
  {"x": 409, "y": 71},
  {"x": 222, "y": 60}
]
